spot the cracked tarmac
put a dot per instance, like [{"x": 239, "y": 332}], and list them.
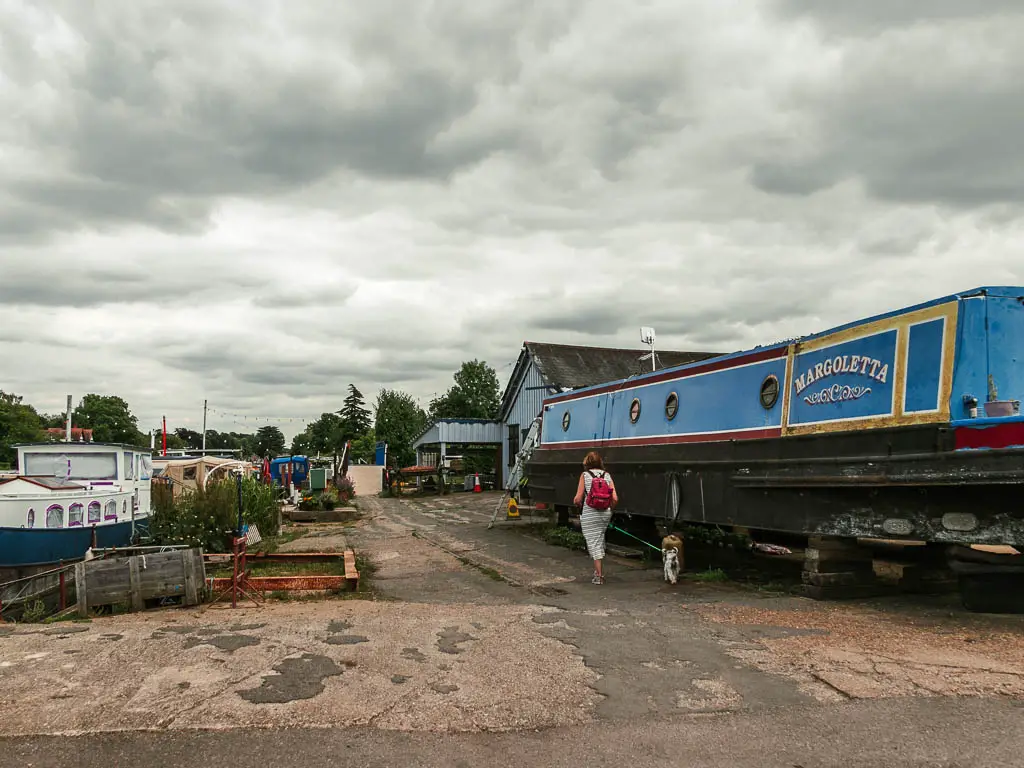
[{"x": 456, "y": 649}]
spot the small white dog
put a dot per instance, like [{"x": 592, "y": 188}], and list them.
[{"x": 671, "y": 552}]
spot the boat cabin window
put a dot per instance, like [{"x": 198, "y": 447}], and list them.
[
  {"x": 95, "y": 512},
  {"x": 146, "y": 467},
  {"x": 76, "y": 512},
  {"x": 84, "y": 466},
  {"x": 671, "y": 406},
  {"x": 129, "y": 466},
  {"x": 55, "y": 516},
  {"x": 769, "y": 392},
  {"x": 189, "y": 473},
  {"x": 31, "y": 521},
  {"x": 110, "y": 511},
  {"x": 634, "y": 411}
]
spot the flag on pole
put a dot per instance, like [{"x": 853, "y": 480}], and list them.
[{"x": 252, "y": 535}]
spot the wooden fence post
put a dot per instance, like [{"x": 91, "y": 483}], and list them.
[
  {"x": 188, "y": 568},
  {"x": 80, "y": 590},
  {"x": 135, "y": 580}
]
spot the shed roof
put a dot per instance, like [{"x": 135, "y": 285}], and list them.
[
  {"x": 456, "y": 431},
  {"x": 565, "y": 366}
]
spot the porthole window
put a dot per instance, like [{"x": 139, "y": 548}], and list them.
[
  {"x": 566, "y": 419},
  {"x": 769, "y": 391},
  {"x": 31, "y": 522},
  {"x": 671, "y": 406},
  {"x": 634, "y": 410}
]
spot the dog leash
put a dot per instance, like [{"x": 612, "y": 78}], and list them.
[{"x": 616, "y": 528}]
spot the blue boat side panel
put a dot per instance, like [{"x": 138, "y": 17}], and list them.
[
  {"x": 844, "y": 381},
  {"x": 720, "y": 401},
  {"x": 990, "y": 341},
  {"x": 971, "y": 367},
  {"x": 924, "y": 366},
  {"x": 725, "y": 400},
  {"x": 38, "y": 546},
  {"x": 1006, "y": 347}
]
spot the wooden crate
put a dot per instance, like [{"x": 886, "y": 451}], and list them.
[{"x": 139, "y": 578}]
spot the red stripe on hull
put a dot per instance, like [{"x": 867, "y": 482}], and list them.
[
  {"x": 720, "y": 365},
  {"x": 997, "y": 436},
  {"x": 752, "y": 434}
]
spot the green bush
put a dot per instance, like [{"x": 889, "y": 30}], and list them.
[
  {"x": 565, "y": 537},
  {"x": 35, "y": 612},
  {"x": 260, "y": 506},
  {"x": 346, "y": 489},
  {"x": 206, "y": 517}
]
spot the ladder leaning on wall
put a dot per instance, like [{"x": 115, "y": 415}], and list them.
[{"x": 518, "y": 472}]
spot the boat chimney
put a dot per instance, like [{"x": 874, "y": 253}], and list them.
[{"x": 67, "y": 436}]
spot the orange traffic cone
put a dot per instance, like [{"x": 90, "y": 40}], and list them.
[{"x": 476, "y": 483}]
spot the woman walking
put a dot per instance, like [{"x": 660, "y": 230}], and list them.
[{"x": 596, "y": 493}]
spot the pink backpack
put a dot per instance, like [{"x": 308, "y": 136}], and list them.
[{"x": 600, "y": 496}]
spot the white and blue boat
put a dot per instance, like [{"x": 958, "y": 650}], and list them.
[{"x": 69, "y": 497}]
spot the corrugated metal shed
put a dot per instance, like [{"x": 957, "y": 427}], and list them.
[{"x": 460, "y": 431}]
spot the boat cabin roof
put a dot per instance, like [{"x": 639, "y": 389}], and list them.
[
  {"x": 49, "y": 483},
  {"x": 81, "y": 447},
  {"x": 1016, "y": 292}
]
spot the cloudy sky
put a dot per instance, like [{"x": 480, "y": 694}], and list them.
[{"x": 258, "y": 202}]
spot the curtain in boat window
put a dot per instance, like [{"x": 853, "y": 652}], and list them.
[
  {"x": 55, "y": 516},
  {"x": 110, "y": 512},
  {"x": 76, "y": 512},
  {"x": 95, "y": 512}
]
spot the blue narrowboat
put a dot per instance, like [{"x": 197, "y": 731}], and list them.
[
  {"x": 905, "y": 425},
  {"x": 298, "y": 466}
]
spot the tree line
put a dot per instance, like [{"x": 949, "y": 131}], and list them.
[{"x": 396, "y": 419}]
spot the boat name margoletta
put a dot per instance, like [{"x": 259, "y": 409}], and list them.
[{"x": 855, "y": 364}]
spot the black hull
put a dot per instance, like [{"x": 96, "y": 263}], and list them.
[{"x": 902, "y": 483}]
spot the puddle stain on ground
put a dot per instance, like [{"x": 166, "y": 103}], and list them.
[
  {"x": 229, "y": 643},
  {"x": 161, "y": 632},
  {"x": 413, "y": 654},
  {"x": 347, "y": 640},
  {"x": 196, "y": 636},
  {"x": 65, "y": 630},
  {"x": 335, "y": 638},
  {"x": 449, "y": 640},
  {"x": 296, "y": 678},
  {"x": 443, "y": 688}
]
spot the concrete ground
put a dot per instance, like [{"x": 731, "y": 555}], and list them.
[{"x": 493, "y": 640}]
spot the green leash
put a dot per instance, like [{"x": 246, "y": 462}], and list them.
[{"x": 616, "y": 528}]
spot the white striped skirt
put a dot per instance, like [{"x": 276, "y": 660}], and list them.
[{"x": 594, "y": 523}]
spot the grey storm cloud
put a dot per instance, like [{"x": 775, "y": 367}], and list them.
[
  {"x": 257, "y": 203},
  {"x": 872, "y": 16},
  {"x": 928, "y": 112}
]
